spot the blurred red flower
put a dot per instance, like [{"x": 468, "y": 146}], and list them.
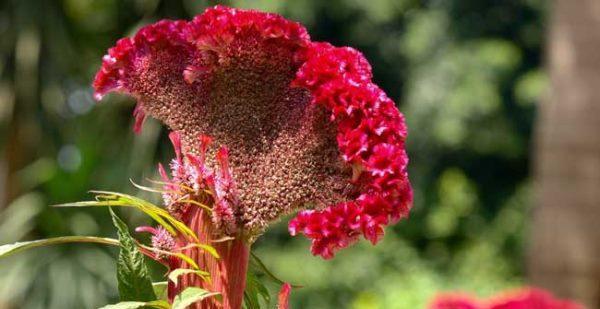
[{"x": 525, "y": 298}]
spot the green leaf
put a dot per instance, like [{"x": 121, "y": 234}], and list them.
[
  {"x": 126, "y": 305},
  {"x": 251, "y": 300},
  {"x": 6, "y": 250},
  {"x": 159, "y": 304},
  {"x": 160, "y": 290},
  {"x": 132, "y": 275},
  {"x": 160, "y": 215},
  {"x": 175, "y": 274},
  {"x": 255, "y": 289},
  {"x": 190, "y": 296},
  {"x": 208, "y": 248},
  {"x": 104, "y": 201}
]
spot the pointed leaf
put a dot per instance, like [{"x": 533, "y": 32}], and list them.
[
  {"x": 208, "y": 248},
  {"x": 132, "y": 275},
  {"x": 126, "y": 305},
  {"x": 144, "y": 188},
  {"x": 160, "y": 290},
  {"x": 158, "y": 304},
  {"x": 251, "y": 300},
  {"x": 255, "y": 289},
  {"x": 160, "y": 215},
  {"x": 149, "y": 208},
  {"x": 175, "y": 274},
  {"x": 114, "y": 200},
  {"x": 190, "y": 296},
  {"x": 6, "y": 250}
]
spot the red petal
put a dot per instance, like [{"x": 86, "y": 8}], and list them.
[{"x": 284, "y": 296}]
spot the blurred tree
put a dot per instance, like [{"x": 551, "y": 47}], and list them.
[{"x": 565, "y": 247}]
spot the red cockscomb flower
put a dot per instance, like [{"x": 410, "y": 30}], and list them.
[
  {"x": 304, "y": 124},
  {"x": 264, "y": 122}
]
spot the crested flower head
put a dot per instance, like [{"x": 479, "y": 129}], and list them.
[{"x": 269, "y": 123}]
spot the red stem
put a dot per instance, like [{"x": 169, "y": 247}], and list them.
[{"x": 228, "y": 273}]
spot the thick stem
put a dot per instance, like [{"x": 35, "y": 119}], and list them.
[{"x": 228, "y": 273}]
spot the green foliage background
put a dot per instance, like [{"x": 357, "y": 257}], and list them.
[{"x": 466, "y": 73}]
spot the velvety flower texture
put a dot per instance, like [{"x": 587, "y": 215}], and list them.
[
  {"x": 285, "y": 123},
  {"x": 526, "y": 298}
]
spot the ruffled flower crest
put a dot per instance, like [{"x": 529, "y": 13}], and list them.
[{"x": 265, "y": 123}]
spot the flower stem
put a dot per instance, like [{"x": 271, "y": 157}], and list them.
[{"x": 227, "y": 273}]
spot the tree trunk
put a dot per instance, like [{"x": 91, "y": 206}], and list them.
[{"x": 565, "y": 246}]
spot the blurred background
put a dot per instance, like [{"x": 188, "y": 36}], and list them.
[{"x": 507, "y": 183}]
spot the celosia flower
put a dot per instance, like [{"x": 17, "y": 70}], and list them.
[
  {"x": 530, "y": 298},
  {"x": 526, "y": 298},
  {"x": 295, "y": 125}
]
